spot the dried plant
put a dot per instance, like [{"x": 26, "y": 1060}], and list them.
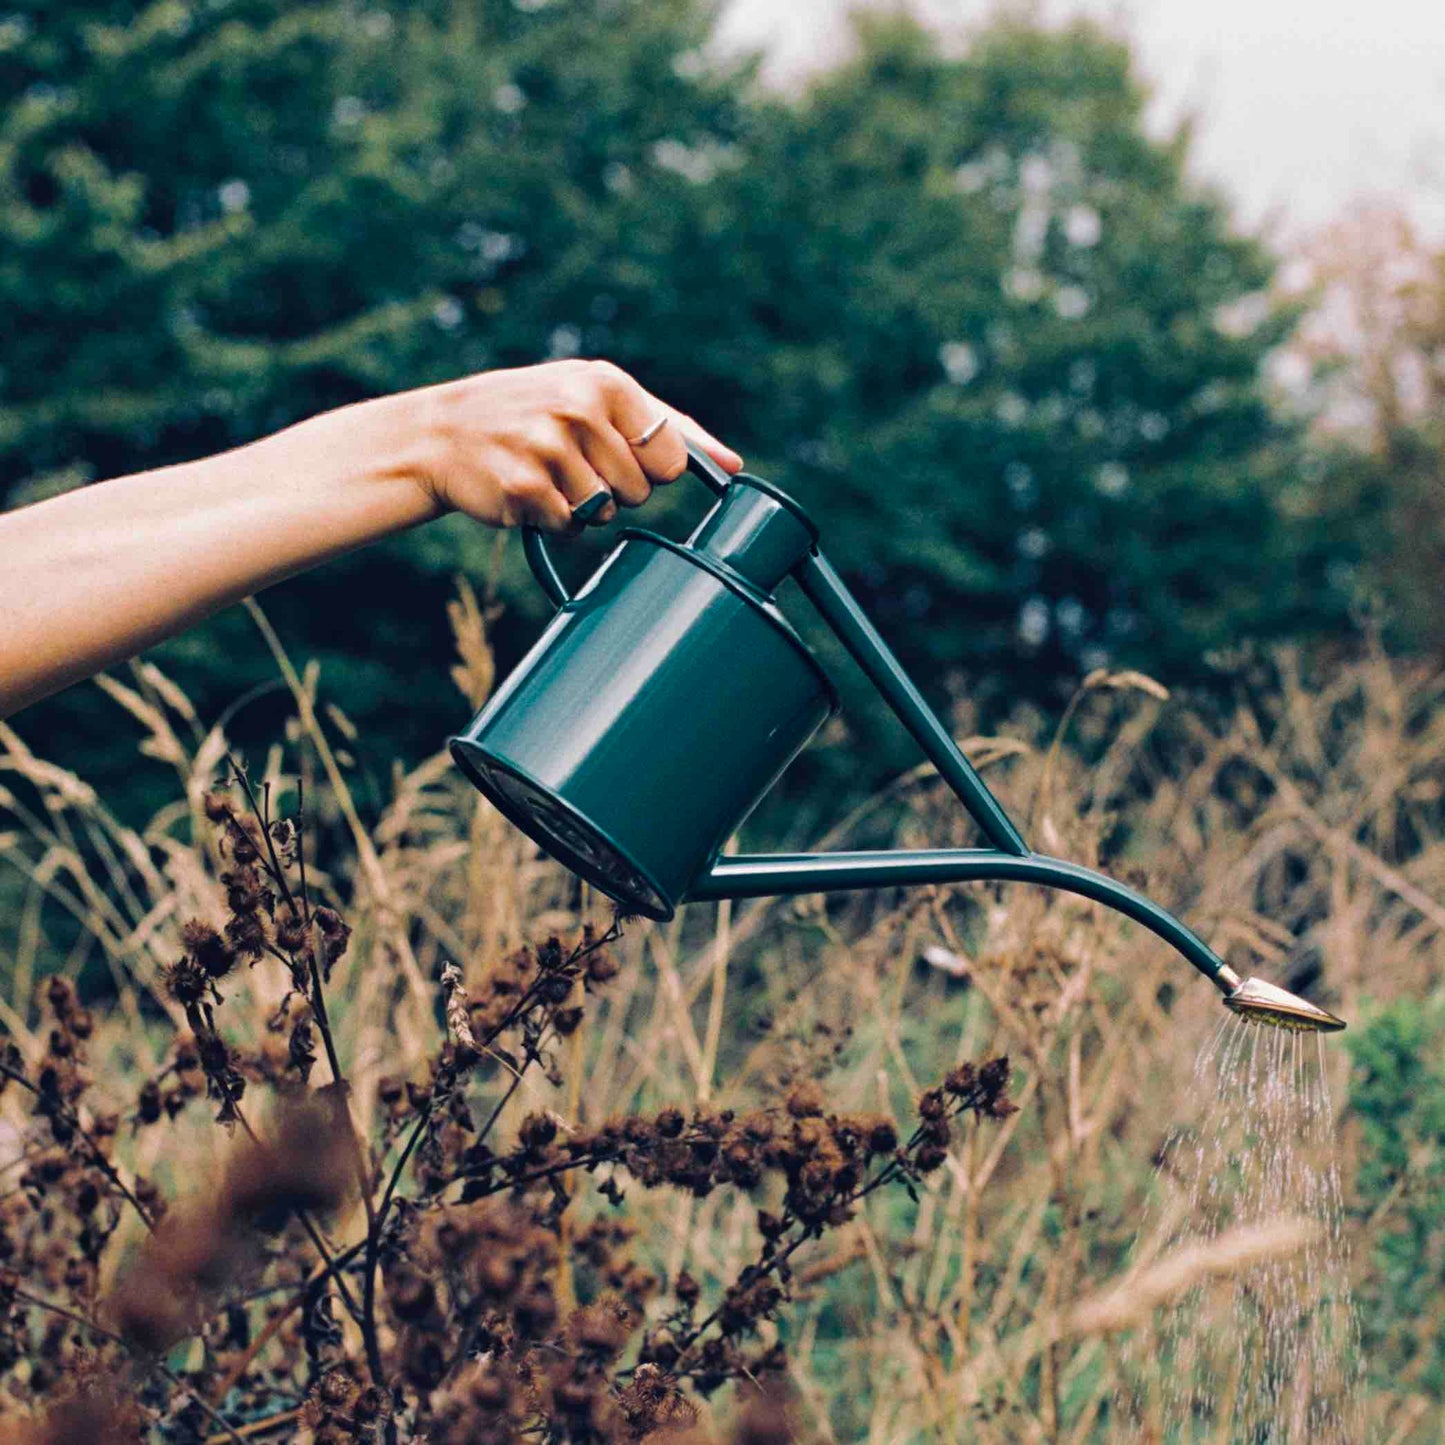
[
  {"x": 365, "y": 1133},
  {"x": 472, "y": 1306}
]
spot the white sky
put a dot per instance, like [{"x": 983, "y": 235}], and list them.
[{"x": 1304, "y": 107}]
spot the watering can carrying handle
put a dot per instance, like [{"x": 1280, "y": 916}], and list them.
[{"x": 539, "y": 554}]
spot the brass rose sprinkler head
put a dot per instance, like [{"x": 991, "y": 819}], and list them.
[{"x": 1268, "y": 1003}]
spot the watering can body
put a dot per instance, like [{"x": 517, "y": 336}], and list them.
[{"x": 658, "y": 707}]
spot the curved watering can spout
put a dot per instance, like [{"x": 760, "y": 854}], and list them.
[
  {"x": 741, "y": 876},
  {"x": 603, "y": 744}
]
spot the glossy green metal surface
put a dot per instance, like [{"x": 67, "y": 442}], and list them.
[
  {"x": 781, "y": 874},
  {"x": 656, "y": 709},
  {"x": 757, "y": 532}
]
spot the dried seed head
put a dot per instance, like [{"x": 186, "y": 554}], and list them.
[
  {"x": 148, "y": 1103},
  {"x": 208, "y": 948},
  {"x": 537, "y": 1131},
  {"x": 601, "y": 1330},
  {"x": 290, "y": 931},
  {"x": 216, "y": 806},
  {"x": 806, "y": 1100},
  {"x": 930, "y": 1157},
  {"x": 186, "y": 982},
  {"x": 244, "y": 848},
  {"x": 94, "y": 1411},
  {"x": 881, "y": 1137},
  {"x": 246, "y": 934},
  {"x": 334, "y": 929},
  {"x": 601, "y": 966},
  {"x": 335, "y": 1389},
  {"x": 301, "y": 1049},
  {"x": 60, "y": 995},
  {"x": 933, "y": 1105},
  {"x": 284, "y": 837}
]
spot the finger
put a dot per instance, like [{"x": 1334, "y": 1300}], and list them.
[
  {"x": 580, "y": 482},
  {"x": 700, "y": 436},
  {"x": 534, "y": 500},
  {"x": 634, "y": 412},
  {"x": 613, "y": 460},
  {"x": 663, "y": 455}
]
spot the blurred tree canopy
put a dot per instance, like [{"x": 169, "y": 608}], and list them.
[
  {"x": 962, "y": 304},
  {"x": 1375, "y": 341}
]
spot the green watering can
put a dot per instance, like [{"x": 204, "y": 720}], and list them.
[{"x": 669, "y": 693}]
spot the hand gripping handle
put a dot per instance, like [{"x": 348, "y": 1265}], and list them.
[{"x": 538, "y": 549}]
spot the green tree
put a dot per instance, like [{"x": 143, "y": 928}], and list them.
[
  {"x": 965, "y": 306},
  {"x": 217, "y": 218},
  {"x": 988, "y": 327}
]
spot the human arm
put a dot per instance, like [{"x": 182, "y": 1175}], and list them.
[{"x": 100, "y": 573}]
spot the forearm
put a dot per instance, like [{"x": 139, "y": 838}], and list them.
[{"x": 100, "y": 573}]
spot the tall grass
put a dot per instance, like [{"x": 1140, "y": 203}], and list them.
[{"x": 988, "y": 1301}]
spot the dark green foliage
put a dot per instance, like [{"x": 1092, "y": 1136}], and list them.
[
  {"x": 992, "y": 351},
  {"x": 962, "y": 305},
  {"x": 218, "y": 218},
  {"x": 1381, "y": 507},
  {"x": 1397, "y": 1092}
]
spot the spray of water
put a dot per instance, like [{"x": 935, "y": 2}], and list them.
[{"x": 1266, "y": 1354}]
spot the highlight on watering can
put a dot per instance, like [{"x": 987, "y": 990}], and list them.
[{"x": 666, "y": 638}]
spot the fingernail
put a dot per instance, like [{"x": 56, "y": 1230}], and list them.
[{"x": 595, "y": 509}]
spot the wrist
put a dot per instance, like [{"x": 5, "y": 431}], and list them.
[
  {"x": 401, "y": 445},
  {"x": 372, "y": 460}
]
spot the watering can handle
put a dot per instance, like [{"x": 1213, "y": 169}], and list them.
[{"x": 539, "y": 554}]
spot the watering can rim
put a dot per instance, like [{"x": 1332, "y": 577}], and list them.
[{"x": 458, "y": 747}]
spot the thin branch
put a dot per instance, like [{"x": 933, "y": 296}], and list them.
[
  {"x": 73, "y": 1120},
  {"x": 233, "y": 1376},
  {"x": 894, "y": 1170},
  {"x": 377, "y": 1220},
  {"x": 278, "y": 876},
  {"x": 581, "y": 1161},
  {"x": 501, "y": 1104},
  {"x": 228, "y": 1431},
  {"x": 377, "y": 1216},
  {"x": 262, "y": 813},
  {"x": 259, "y": 1427},
  {"x": 364, "y": 1315}
]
